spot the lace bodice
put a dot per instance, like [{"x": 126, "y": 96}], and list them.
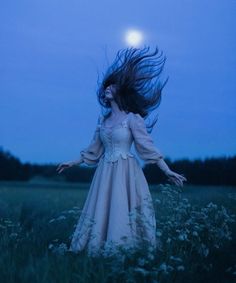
[{"x": 116, "y": 141}]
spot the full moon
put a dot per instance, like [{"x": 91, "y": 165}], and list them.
[{"x": 133, "y": 37}]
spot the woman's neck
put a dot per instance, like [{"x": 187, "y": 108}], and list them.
[{"x": 115, "y": 111}]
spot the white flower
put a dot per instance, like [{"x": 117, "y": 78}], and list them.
[
  {"x": 61, "y": 217},
  {"x": 175, "y": 258},
  {"x": 141, "y": 270},
  {"x": 71, "y": 211},
  {"x": 182, "y": 237},
  {"x": 141, "y": 261},
  {"x": 50, "y": 246},
  {"x": 158, "y": 233},
  {"x": 163, "y": 266},
  {"x": 13, "y": 235},
  {"x": 180, "y": 268},
  {"x": 60, "y": 249},
  {"x": 168, "y": 240}
]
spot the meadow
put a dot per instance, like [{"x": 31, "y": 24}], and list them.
[{"x": 195, "y": 229}]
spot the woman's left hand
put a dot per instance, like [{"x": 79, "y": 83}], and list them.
[{"x": 176, "y": 178}]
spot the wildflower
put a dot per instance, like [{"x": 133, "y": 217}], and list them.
[
  {"x": 183, "y": 237},
  {"x": 176, "y": 258},
  {"x": 13, "y": 235},
  {"x": 61, "y": 217},
  {"x": 141, "y": 261},
  {"x": 141, "y": 270},
  {"x": 180, "y": 268},
  {"x": 50, "y": 246},
  {"x": 195, "y": 233},
  {"x": 163, "y": 266},
  {"x": 71, "y": 211},
  {"x": 158, "y": 233},
  {"x": 168, "y": 240},
  {"x": 212, "y": 205},
  {"x": 150, "y": 256},
  {"x": 61, "y": 249}
]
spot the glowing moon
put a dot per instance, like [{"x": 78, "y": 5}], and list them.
[{"x": 133, "y": 37}]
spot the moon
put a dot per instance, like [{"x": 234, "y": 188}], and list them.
[{"x": 134, "y": 37}]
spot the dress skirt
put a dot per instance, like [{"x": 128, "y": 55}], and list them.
[{"x": 118, "y": 209}]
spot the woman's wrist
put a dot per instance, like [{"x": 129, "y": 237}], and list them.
[
  {"x": 163, "y": 166},
  {"x": 77, "y": 162}
]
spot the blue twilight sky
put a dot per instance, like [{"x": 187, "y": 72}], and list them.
[{"x": 51, "y": 52}]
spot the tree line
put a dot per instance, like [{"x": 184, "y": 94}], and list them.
[{"x": 210, "y": 171}]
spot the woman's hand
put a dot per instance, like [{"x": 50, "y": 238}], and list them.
[
  {"x": 175, "y": 178},
  {"x": 64, "y": 166}
]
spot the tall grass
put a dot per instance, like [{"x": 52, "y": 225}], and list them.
[{"x": 196, "y": 239}]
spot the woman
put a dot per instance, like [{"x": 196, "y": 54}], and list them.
[{"x": 118, "y": 209}]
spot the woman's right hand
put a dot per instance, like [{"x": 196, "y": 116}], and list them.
[
  {"x": 176, "y": 178},
  {"x": 64, "y": 166}
]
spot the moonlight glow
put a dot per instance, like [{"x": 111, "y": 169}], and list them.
[{"x": 133, "y": 37}]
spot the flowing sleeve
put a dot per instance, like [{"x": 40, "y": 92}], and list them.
[
  {"x": 143, "y": 142},
  {"x": 91, "y": 154}
]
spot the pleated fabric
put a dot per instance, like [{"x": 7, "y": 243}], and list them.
[{"x": 118, "y": 209}]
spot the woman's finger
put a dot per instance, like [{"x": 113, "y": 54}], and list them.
[
  {"x": 59, "y": 168},
  {"x": 180, "y": 177},
  {"x": 179, "y": 181},
  {"x": 175, "y": 175},
  {"x": 176, "y": 179},
  {"x": 183, "y": 178},
  {"x": 173, "y": 180}
]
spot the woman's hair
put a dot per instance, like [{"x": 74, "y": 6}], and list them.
[{"x": 135, "y": 73}]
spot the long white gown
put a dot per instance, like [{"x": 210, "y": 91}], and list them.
[{"x": 118, "y": 209}]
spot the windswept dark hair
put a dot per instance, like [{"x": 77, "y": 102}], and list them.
[{"x": 135, "y": 72}]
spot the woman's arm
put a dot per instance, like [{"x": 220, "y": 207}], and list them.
[
  {"x": 89, "y": 155},
  {"x": 77, "y": 161},
  {"x": 148, "y": 152},
  {"x": 143, "y": 142},
  {"x": 92, "y": 154}
]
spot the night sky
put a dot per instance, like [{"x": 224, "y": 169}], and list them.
[{"x": 51, "y": 53}]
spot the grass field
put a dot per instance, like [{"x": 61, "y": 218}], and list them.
[{"x": 195, "y": 229}]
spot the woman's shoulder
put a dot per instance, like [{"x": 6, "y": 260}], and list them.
[
  {"x": 135, "y": 115},
  {"x": 136, "y": 118},
  {"x": 99, "y": 121},
  {"x": 100, "y": 118}
]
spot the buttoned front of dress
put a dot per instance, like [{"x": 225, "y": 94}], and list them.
[{"x": 117, "y": 141}]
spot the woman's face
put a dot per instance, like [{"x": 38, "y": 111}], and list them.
[{"x": 110, "y": 92}]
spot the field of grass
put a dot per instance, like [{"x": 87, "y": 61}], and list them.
[{"x": 196, "y": 231}]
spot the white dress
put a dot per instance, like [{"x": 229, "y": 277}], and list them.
[{"x": 118, "y": 209}]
